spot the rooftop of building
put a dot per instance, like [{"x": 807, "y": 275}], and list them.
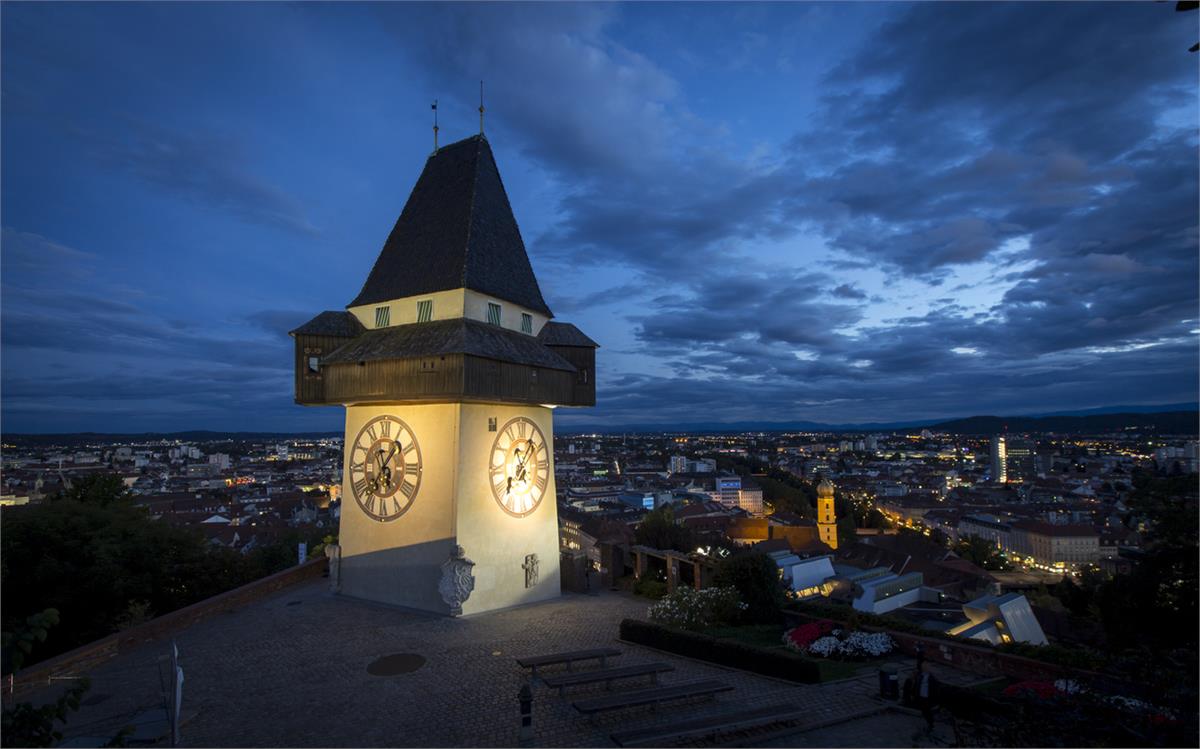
[{"x": 457, "y": 230}]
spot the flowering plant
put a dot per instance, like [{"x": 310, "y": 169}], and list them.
[
  {"x": 826, "y": 646},
  {"x": 697, "y": 609},
  {"x": 799, "y": 638},
  {"x": 852, "y": 644}
]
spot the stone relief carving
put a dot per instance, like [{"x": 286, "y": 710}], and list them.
[
  {"x": 531, "y": 570},
  {"x": 457, "y": 581}
]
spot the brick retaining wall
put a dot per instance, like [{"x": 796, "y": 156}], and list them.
[{"x": 87, "y": 657}]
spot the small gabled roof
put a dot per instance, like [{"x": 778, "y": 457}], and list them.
[
  {"x": 455, "y": 336},
  {"x": 564, "y": 334},
  {"x": 333, "y": 323},
  {"x": 457, "y": 230}
]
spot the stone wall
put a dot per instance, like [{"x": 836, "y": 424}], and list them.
[{"x": 86, "y": 657}]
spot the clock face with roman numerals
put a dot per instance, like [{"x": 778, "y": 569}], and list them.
[
  {"x": 385, "y": 468},
  {"x": 519, "y": 467}
]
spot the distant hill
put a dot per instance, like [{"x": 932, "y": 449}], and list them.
[
  {"x": 1174, "y": 418},
  {"x": 1170, "y": 422},
  {"x": 97, "y": 438},
  {"x": 1185, "y": 420}
]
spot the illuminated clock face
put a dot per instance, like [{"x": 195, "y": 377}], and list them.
[
  {"x": 385, "y": 468},
  {"x": 519, "y": 467}
]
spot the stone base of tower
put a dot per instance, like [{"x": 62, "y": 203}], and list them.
[{"x": 403, "y": 561}]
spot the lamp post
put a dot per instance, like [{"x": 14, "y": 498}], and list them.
[{"x": 525, "y": 735}]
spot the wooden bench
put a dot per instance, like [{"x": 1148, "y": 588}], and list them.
[
  {"x": 606, "y": 675},
  {"x": 570, "y": 658},
  {"x": 710, "y": 726},
  {"x": 652, "y": 696}
]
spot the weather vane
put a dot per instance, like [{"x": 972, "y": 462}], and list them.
[
  {"x": 435, "y": 127},
  {"x": 481, "y": 107}
]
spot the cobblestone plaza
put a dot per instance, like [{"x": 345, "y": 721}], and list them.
[{"x": 291, "y": 670}]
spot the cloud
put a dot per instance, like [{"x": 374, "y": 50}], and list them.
[{"x": 204, "y": 168}]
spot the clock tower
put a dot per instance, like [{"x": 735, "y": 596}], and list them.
[
  {"x": 826, "y": 515},
  {"x": 449, "y": 365}
]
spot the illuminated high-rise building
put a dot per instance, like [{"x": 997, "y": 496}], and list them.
[{"x": 999, "y": 460}]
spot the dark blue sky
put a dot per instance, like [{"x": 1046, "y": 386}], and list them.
[{"x": 844, "y": 212}]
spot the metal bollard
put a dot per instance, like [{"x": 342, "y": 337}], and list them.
[{"x": 525, "y": 736}]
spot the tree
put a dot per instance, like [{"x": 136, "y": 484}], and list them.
[
  {"x": 981, "y": 552},
  {"x": 105, "y": 564},
  {"x": 23, "y": 724},
  {"x": 101, "y": 489},
  {"x": 658, "y": 530},
  {"x": 757, "y": 579}
]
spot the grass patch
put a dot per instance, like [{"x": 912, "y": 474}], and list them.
[
  {"x": 835, "y": 670},
  {"x": 758, "y": 635}
]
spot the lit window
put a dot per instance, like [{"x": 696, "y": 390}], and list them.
[
  {"x": 493, "y": 313},
  {"x": 383, "y": 317},
  {"x": 526, "y": 323},
  {"x": 425, "y": 310}
]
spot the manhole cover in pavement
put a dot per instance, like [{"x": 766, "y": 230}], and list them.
[{"x": 396, "y": 664}]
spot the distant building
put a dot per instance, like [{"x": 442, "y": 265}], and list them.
[
  {"x": 734, "y": 491},
  {"x": 219, "y": 460},
  {"x": 999, "y": 460},
  {"x": 1020, "y": 460},
  {"x": 677, "y": 464},
  {"x": 1056, "y": 546},
  {"x": 1000, "y": 619},
  {"x": 826, "y": 514}
]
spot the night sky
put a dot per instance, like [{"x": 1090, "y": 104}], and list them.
[{"x": 836, "y": 213}]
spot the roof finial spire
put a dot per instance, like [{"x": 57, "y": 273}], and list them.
[
  {"x": 435, "y": 127},
  {"x": 481, "y": 107}
]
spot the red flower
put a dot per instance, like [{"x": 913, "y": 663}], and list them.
[{"x": 799, "y": 638}]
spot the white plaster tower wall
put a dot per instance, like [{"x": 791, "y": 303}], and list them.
[
  {"x": 399, "y": 561},
  {"x": 496, "y": 541}
]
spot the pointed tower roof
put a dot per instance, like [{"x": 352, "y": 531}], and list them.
[{"x": 456, "y": 230}]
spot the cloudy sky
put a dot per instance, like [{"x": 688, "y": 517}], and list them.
[{"x": 829, "y": 212}]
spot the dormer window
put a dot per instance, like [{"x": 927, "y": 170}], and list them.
[
  {"x": 493, "y": 313},
  {"x": 383, "y": 317},
  {"x": 526, "y": 323},
  {"x": 425, "y": 310}
]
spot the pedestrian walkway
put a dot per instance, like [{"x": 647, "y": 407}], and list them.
[{"x": 292, "y": 670}]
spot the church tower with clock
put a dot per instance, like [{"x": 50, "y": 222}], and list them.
[{"x": 449, "y": 365}]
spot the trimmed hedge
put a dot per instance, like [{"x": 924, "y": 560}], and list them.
[{"x": 780, "y": 663}]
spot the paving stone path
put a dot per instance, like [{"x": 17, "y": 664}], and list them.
[{"x": 291, "y": 670}]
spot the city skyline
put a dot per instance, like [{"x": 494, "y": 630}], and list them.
[{"x": 954, "y": 210}]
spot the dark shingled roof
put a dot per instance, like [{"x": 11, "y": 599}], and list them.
[
  {"x": 456, "y": 230},
  {"x": 564, "y": 334},
  {"x": 457, "y": 336},
  {"x": 335, "y": 323}
]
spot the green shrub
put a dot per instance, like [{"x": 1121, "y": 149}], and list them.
[
  {"x": 1057, "y": 654},
  {"x": 779, "y": 663},
  {"x": 756, "y": 577},
  {"x": 649, "y": 588}
]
